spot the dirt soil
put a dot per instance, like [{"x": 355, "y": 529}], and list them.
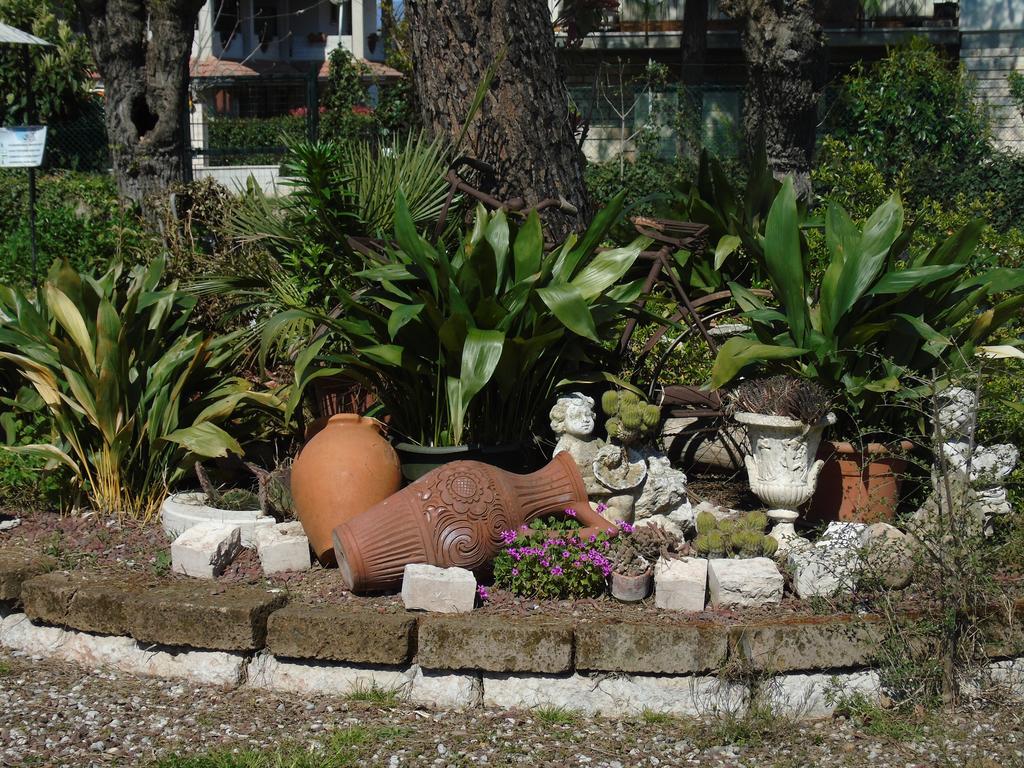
[{"x": 142, "y": 553}]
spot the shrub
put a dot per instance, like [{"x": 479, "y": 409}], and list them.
[
  {"x": 133, "y": 395},
  {"x": 78, "y": 217},
  {"x": 549, "y": 560},
  {"x": 912, "y": 115},
  {"x": 253, "y": 140}
]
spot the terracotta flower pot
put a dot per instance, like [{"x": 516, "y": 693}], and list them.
[
  {"x": 454, "y": 516},
  {"x": 632, "y": 589},
  {"x": 345, "y": 467},
  {"x": 858, "y": 486}
]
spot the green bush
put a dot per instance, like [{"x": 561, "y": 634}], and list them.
[
  {"x": 253, "y": 140},
  {"x": 914, "y": 116},
  {"x": 133, "y": 395},
  {"x": 78, "y": 217}
]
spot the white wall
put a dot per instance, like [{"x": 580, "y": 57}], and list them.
[{"x": 991, "y": 15}]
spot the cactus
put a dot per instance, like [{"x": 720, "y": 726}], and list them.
[
  {"x": 705, "y": 522},
  {"x": 716, "y": 543},
  {"x": 769, "y": 546},
  {"x": 237, "y": 499},
  {"x": 610, "y": 402},
  {"x": 613, "y": 427},
  {"x": 749, "y": 543},
  {"x": 650, "y": 416},
  {"x": 631, "y": 415},
  {"x": 702, "y": 545},
  {"x": 727, "y": 527},
  {"x": 755, "y": 521}
]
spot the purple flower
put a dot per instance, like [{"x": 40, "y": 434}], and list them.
[
  {"x": 625, "y": 527},
  {"x": 570, "y": 512},
  {"x": 507, "y": 537},
  {"x": 515, "y": 571},
  {"x": 601, "y": 508},
  {"x": 565, "y": 554},
  {"x": 556, "y": 571},
  {"x": 483, "y": 593}
]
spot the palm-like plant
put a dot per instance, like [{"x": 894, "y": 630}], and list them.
[
  {"x": 133, "y": 395},
  {"x": 468, "y": 345},
  {"x": 879, "y": 324}
]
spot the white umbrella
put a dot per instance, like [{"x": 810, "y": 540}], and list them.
[{"x": 15, "y": 36}]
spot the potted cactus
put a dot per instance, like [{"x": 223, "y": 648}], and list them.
[
  {"x": 630, "y": 422},
  {"x": 243, "y": 507},
  {"x": 633, "y": 555},
  {"x": 743, "y": 537}
]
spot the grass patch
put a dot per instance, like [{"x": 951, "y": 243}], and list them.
[
  {"x": 556, "y": 715},
  {"x": 373, "y": 694},
  {"x": 651, "y": 717},
  {"x": 342, "y": 749},
  {"x": 5, "y": 669},
  {"x": 756, "y": 727},
  {"x": 902, "y": 723}
]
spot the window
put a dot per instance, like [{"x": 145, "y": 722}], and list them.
[{"x": 225, "y": 21}]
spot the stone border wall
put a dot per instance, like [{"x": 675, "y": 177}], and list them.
[{"x": 243, "y": 635}]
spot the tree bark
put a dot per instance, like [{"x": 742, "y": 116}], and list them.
[
  {"x": 523, "y": 127},
  {"x": 142, "y": 51},
  {"x": 784, "y": 47},
  {"x": 694, "y": 44}
]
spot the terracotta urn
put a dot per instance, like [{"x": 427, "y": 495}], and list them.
[
  {"x": 859, "y": 485},
  {"x": 345, "y": 467},
  {"x": 454, "y": 516}
]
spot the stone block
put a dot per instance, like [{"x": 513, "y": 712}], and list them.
[
  {"x": 341, "y": 634},
  {"x": 626, "y": 696},
  {"x": 671, "y": 649},
  {"x": 495, "y": 644},
  {"x": 18, "y": 633},
  {"x": 681, "y": 585},
  {"x": 205, "y": 550},
  {"x": 734, "y": 583},
  {"x": 446, "y": 691},
  {"x": 807, "y": 643},
  {"x": 282, "y": 548},
  {"x": 830, "y": 567},
  {"x": 18, "y": 565},
  {"x": 324, "y": 678},
  {"x": 441, "y": 590},
  {"x": 815, "y": 696},
  {"x": 83, "y": 601},
  {"x": 201, "y": 615}
]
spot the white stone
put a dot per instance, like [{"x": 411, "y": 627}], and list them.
[
  {"x": 445, "y": 690},
  {"x": 681, "y": 585},
  {"x": 620, "y": 696},
  {"x": 6, "y": 525},
  {"x": 832, "y": 566},
  {"x": 664, "y": 493},
  {"x": 1007, "y": 677},
  {"x": 266, "y": 672},
  {"x": 442, "y": 590},
  {"x": 817, "y": 695},
  {"x": 18, "y": 633},
  {"x": 181, "y": 511},
  {"x": 205, "y": 550},
  {"x": 735, "y": 583},
  {"x": 283, "y": 548},
  {"x": 886, "y": 555}
]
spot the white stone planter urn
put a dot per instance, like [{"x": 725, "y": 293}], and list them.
[{"x": 782, "y": 469}]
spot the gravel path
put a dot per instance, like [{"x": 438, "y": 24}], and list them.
[{"x": 54, "y": 714}]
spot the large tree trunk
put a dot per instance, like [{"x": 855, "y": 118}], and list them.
[
  {"x": 523, "y": 126},
  {"x": 693, "y": 48},
  {"x": 142, "y": 51},
  {"x": 784, "y": 47}
]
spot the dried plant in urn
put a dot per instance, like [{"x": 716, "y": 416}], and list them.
[{"x": 785, "y": 417}]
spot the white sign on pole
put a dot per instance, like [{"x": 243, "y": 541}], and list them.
[{"x": 22, "y": 146}]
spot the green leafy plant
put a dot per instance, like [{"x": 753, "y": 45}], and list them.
[
  {"x": 877, "y": 322},
  {"x": 549, "y": 560},
  {"x": 467, "y": 345},
  {"x": 132, "y": 393}
]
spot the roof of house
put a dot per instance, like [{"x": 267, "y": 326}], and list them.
[
  {"x": 223, "y": 68},
  {"x": 14, "y": 36}
]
